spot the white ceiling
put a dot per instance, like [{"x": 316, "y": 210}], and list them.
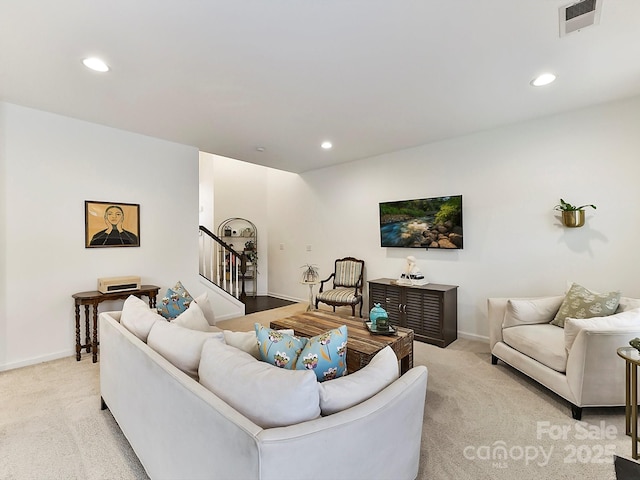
[{"x": 372, "y": 76}]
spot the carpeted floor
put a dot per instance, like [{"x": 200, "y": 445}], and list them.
[{"x": 481, "y": 422}]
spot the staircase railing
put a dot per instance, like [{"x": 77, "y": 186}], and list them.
[{"x": 222, "y": 265}]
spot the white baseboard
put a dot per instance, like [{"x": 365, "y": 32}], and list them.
[
  {"x": 287, "y": 297},
  {"x": 42, "y": 359},
  {"x": 473, "y": 336}
]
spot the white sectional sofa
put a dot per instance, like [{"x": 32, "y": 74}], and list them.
[
  {"x": 578, "y": 362},
  {"x": 179, "y": 429}
]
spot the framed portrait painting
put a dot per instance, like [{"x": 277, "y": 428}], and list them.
[{"x": 111, "y": 224}]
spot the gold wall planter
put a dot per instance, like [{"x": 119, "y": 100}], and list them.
[{"x": 573, "y": 218}]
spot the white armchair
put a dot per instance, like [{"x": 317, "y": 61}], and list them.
[{"x": 577, "y": 362}]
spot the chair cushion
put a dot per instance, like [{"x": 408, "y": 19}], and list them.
[
  {"x": 268, "y": 396},
  {"x": 628, "y": 321},
  {"x": 347, "y": 273},
  {"x": 343, "y": 296},
  {"x": 542, "y": 342},
  {"x": 583, "y": 303},
  {"x": 529, "y": 311},
  {"x": 627, "y": 303}
]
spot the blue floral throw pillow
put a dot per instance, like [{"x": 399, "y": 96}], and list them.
[
  {"x": 175, "y": 302},
  {"x": 325, "y": 354},
  {"x": 277, "y": 348}
]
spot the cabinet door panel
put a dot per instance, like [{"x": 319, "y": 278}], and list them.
[
  {"x": 423, "y": 313},
  {"x": 388, "y": 298},
  {"x": 393, "y": 308}
]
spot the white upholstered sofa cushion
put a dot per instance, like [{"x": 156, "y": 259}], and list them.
[
  {"x": 625, "y": 319},
  {"x": 181, "y": 346},
  {"x": 542, "y": 342},
  {"x": 138, "y": 318},
  {"x": 349, "y": 390},
  {"x": 247, "y": 341},
  {"x": 527, "y": 311},
  {"x": 205, "y": 306},
  {"x": 269, "y": 396},
  {"x": 192, "y": 318}
]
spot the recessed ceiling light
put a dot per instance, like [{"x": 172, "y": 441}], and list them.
[
  {"x": 326, "y": 145},
  {"x": 95, "y": 64},
  {"x": 544, "y": 79},
  {"x": 260, "y": 149}
]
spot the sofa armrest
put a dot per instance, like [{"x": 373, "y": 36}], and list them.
[
  {"x": 496, "y": 308},
  {"x": 595, "y": 372},
  {"x": 395, "y": 414}
]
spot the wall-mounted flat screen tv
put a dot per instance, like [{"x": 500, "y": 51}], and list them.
[{"x": 422, "y": 223}]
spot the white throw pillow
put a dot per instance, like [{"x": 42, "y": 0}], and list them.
[
  {"x": 192, "y": 318},
  {"x": 529, "y": 311},
  {"x": 181, "y": 346},
  {"x": 268, "y": 396},
  {"x": 247, "y": 341},
  {"x": 623, "y": 320},
  {"x": 205, "y": 306},
  {"x": 138, "y": 318},
  {"x": 345, "y": 392},
  {"x": 627, "y": 303}
]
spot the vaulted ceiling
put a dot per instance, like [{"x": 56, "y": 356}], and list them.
[{"x": 233, "y": 77}]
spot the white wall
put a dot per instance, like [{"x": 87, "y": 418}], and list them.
[
  {"x": 50, "y": 165},
  {"x": 240, "y": 190},
  {"x": 510, "y": 179}
]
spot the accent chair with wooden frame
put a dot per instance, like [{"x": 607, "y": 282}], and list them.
[{"x": 346, "y": 287}]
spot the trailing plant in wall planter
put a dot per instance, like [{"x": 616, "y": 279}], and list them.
[{"x": 572, "y": 216}]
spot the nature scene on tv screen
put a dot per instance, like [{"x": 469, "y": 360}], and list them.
[{"x": 422, "y": 223}]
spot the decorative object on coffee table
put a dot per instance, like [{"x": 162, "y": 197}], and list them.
[
  {"x": 361, "y": 344},
  {"x": 635, "y": 343},
  {"x": 377, "y": 312}
]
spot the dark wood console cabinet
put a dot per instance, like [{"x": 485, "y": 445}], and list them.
[{"x": 431, "y": 310}]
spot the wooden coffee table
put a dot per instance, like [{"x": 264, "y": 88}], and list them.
[{"x": 361, "y": 344}]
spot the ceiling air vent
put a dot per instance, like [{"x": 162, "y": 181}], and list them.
[{"x": 579, "y": 15}]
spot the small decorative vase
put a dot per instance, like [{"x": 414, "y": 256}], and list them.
[
  {"x": 635, "y": 343},
  {"x": 573, "y": 218},
  {"x": 377, "y": 312}
]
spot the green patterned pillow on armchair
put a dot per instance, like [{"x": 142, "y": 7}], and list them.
[{"x": 583, "y": 303}]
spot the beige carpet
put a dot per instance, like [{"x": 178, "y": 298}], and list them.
[{"x": 51, "y": 425}]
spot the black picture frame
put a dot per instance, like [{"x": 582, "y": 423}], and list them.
[{"x": 111, "y": 224}]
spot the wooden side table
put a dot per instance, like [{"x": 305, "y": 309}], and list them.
[
  {"x": 95, "y": 298},
  {"x": 311, "y": 285},
  {"x": 631, "y": 357}
]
